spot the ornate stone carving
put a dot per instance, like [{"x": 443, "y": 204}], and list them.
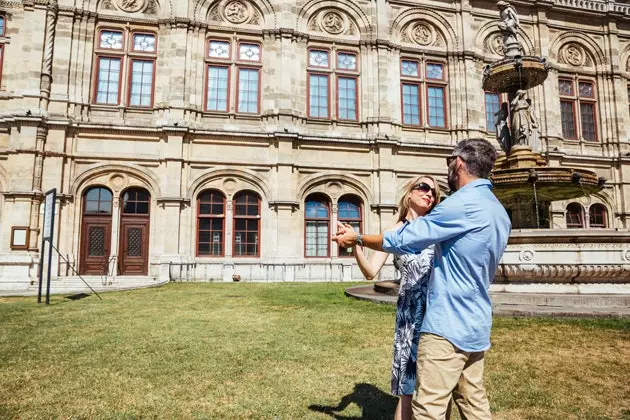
[
  {"x": 423, "y": 34},
  {"x": 526, "y": 255},
  {"x": 236, "y": 12},
  {"x": 131, "y": 6},
  {"x": 564, "y": 273},
  {"x": 495, "y": 44},
  {"x": 333, "y": 23},
  {"x": 574, "y": 54},
  {"x": 626, "y": 255}
]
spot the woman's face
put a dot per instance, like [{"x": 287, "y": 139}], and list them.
[{"x": 422, "y": 196}]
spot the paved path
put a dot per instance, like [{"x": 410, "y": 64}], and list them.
[{"x": 531, "y": 304}]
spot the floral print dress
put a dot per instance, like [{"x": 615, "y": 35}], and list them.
[{"x": 415, "y": 272}]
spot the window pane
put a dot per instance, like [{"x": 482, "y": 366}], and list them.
[
  {"x": 317, "y": 58},
  {"x": 565, "y": 87},
  {"x": 435, "y": 71},
  {"x": 597, "y": 216},
  {"x": 347, "y": 100},
  {"x": 348, "y": 210},
  {"x": 316, "y": 210},
  {"x": 249, "y": 52},
  {"x": 318, "y": 96},
  {"x": 144, "y": 42},
  {"x": 111, "y": 40},
  {"x": 2, "y": 26},
  {"x": 587, "y": 114},
  {"x": 568, "y": 120},
  {"x": 248, "y": 90},
  {"x": 409, "y": 68},
  {"x": 346, "y": 61},
  {"x": 141, "y": 83},
  {"x": 316, "y": 239},
  {"x": 437, "y": 116},
  {"x": 108, "y": 81},
  {"x": 217, "y": 89},
  {"x": 219, "y": 49},
  {"x": 574, "y": 216},
  {"x": 411, "y": 104},
  {"x": 492, "y": 107},
  {"x": 586, "y": 90}
]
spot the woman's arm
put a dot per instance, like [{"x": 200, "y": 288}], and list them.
[{"x": 372, "y": 267}]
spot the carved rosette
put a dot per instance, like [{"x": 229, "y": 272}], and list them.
[
  {"x": 574, "y": 55},
  {"x": 422, "y": 33},
  {"x": 494, "y": 44},
  {"x": 235, "y": 12},
  {"x": 131, "y": 6},
  {"x": 333, "y": 22}
]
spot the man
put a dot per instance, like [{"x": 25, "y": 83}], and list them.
[{"x": 470, "y": 230}]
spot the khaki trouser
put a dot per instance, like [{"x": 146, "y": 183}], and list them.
[{"x": 444, "y": 369}]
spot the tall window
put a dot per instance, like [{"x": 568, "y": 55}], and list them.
[
  {"x": 423, "y": 83},
  {"x": 321, "y": 70},
  {"x": 597, "y": 216},
  {"x": 317, "y": 224},
  {"x": 246, "y": 225},
  {"x": 118, "y": 51},
  {"x": 578, "y": 109},
  {"x": 210, "y": 223},
  {"x": 224, "y": 60},
  {"x": 3, "y": 29},
  {"x": 493, "y": 104},
  {"x": 575, "y": 216},
  {"x": 349, "y": 211}
]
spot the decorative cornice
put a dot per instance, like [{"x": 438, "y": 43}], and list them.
[
  {"x": 564, "y": 273},
  {"x": 284, "y": 204}
]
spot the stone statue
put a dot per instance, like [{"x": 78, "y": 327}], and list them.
[
  {"x": 509, "y": 26},
  {"x": 502, "y": 127},
  {"x": 523, "y": 121},
  {"x": 510, "y": 22}
]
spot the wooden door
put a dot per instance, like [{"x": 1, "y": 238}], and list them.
[
  {"x": 134, "y": 245},
  {"x": 95, "y": 244}
]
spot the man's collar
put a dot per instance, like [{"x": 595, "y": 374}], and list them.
[{"x": 477, "y": 183}]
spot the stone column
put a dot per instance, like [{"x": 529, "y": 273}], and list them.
[{"x": 49, "y": 46}]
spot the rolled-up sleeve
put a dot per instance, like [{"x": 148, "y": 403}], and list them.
[{"x": 446, "y": 221}]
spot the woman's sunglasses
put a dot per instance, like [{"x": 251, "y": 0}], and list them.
[{"x": 423, "y": 187}]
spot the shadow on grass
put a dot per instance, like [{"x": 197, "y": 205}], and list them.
[{"x": 374, "y": 404}]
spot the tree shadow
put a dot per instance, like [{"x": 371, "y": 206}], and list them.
[{"x": 374, "y": 404}]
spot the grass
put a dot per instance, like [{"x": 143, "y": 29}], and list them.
[{"x": 277, "y": 351}]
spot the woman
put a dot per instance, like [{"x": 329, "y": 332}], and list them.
[{"x": 419, "y": 198}]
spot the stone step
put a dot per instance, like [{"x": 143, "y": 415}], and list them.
[{"x": 562, "y": 300}]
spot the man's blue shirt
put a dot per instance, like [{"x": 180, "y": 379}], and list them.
[{"x": 470, "y": 230}]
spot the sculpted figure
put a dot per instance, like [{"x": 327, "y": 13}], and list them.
[
  {"x": 523, "y": 120},
  {"x": 510, "y": 22},
  {"x": 502, "y": 127}
]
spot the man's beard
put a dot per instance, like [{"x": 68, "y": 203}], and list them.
[{"x": 452, "y": 178}]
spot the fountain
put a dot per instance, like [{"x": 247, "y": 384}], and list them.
[
  {"x": 538, "y": 258},
  {"x": 521, "y": 179}
]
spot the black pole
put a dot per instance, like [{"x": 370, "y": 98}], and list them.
[
  {"x": 50, "y": 245},
  {"x": 41, "y": 267}
]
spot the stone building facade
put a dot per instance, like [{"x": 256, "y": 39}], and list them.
[{"x": 205, "y": 139}]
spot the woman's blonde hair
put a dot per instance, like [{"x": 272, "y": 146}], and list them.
[{"x": 403, "y": 204}]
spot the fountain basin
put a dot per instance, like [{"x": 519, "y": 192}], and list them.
[
  {"x": 552, "y": 184},
  {"x": 512, "y": 74}
]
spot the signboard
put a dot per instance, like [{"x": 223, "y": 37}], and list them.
[{"x": 49, "y": 214}]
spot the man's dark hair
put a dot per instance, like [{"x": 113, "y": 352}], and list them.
[{"x": 478, "y": 155}]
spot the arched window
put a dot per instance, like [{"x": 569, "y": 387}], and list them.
[
  {"x": 349, "y": 211},
  {"x": 136, "y": 201},
  {"x": 597, "y": 216},
  {"x": 210, "y": 223},
  {"x": 317, "y": 226},
  {"x": 246, "y": 224},
  {"x": 575, "y": 216},
  {"x": 98, "y": 200}
]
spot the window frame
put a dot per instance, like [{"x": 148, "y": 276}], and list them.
[
  {"x": 308, "y": 95},
  {"x": 501, "y": 98},
  {"x": 328, "y": 219},
  {"x": 96, "y": 78},
  {"x": 347, "y": 74},
  {"x": 129, "y": 82},
  {"x": 577, "y": 100},
  {"x": 3, "y": 33},
  {"x": 581, "y": 216},
  {"x": 603, "y": 213},
  {"x": 238, "y": 78},
  {"x": 436, "y": 83},
  {"x": 417, "y": 84},
  {"x": 207, "y": 90},
  {"x": 211, "y": 216},
  {"x": 122, "y": 202},
  {"x": 424, "y": 84},
  {"x": 258, "y": 217},
  {"x": 359, "y": 202}
]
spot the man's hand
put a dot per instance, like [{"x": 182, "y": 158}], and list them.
[{"x": 346, "y": 236}]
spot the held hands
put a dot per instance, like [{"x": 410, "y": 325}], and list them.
[{"x": 346, "y": 236}]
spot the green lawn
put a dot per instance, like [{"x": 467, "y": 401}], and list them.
[{"x": 284, "y": 351}]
